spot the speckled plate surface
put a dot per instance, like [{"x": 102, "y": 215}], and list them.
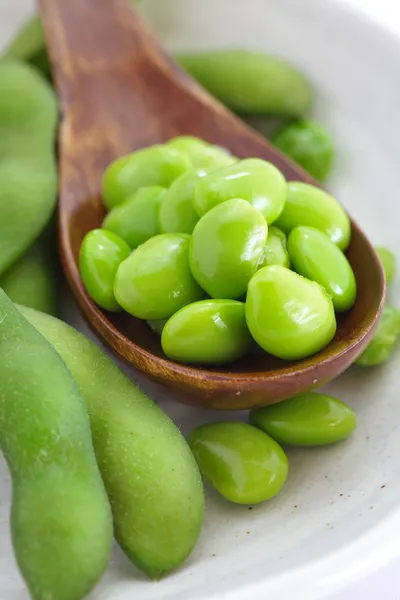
[{"x": 338, "y": 517}]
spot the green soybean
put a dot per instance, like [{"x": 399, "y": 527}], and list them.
[
  {"x": 28, "y": 174},
  {"x": 177, "y": 214},
  {"x": 157, "y": 326},
  {"x": 136, "y": 219},
  {"x": 100, "y": 255},
  {"x": 314, "y": 256},
  {"x": 158, "y": 165},
  {"x": 306, "y": 420},
  {"x": 155, "y": 281},
  {"x": 207, "y": 332},
  {"x": 226, "y": 247},
  {"x": 60, "y": 517},
  {"x": 150, "y": 474},
  {"x": 255, "y": 180},
  {"x": 202, "y": 154},
  {"x": 275, "y": 250},
  {"x": 244, "y": 464},
  {"x": 309, "y": 144},
  {"x": 33, "y": 280},
  {"x": 388, "y": 261},
  {"x": 288, "y": 315},
  {"x": 310, "y": 206},
  {"x": 385, "y": 339},
  {"x": 250, "y": 82}
]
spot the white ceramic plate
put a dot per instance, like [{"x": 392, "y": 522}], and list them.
[{"x": 338, "y": 517}]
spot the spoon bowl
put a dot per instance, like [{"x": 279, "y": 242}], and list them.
[{"x": 120, "y": 92}]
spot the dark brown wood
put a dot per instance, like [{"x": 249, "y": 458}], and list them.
[{"x": 119, "y": 92}]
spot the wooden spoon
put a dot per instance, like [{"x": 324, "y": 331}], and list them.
[{"x": 119, "y": 92}]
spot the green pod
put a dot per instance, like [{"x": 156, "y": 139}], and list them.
[
  {"x": 226, "y": 247},
  {"x": 60, "y": 517},
  {"x": 150, "y": 475},
  {"x": 177, "y": 214},
  {"x": 34, "y": 279},
  {"x": 308, "y": 144},
  {"x": 202, "y": 154},
  {"x": 100, "y": 255},
  {"x": 244, "y": 464},
  {"x": 288, "y": 315},
  {"x": 28, "y": 174},
  {"x": 388, "y": 260},
  {"x": 250, "y": 82},
  {"x": 136, "y": 219},
  {"x": 314, "y": 256},
  {"x": 275, "y": 250},
  {"x": 155, "y": 166},
  {"x": 209, "y": 332},
  {"x": 310, "y": 206},
  {"x": 28, "y": 45},
  {"x": 155, "y": 281},
  {"x": 306, "y": 420},
  {"x": 255, "y": 180},
  {"x": 384, "y": 342}
]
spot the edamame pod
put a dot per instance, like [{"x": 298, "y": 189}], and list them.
[
  {"x": 310, "y": 206},
  {"x": 382, "y": 345},
  {"x": 150, "y": 474},
  {"x": 28, "y": 174},
  {"x": 60, "y": 518},
  {"x": 250, "y": 82},
  {"x": 33, "y": 279}
]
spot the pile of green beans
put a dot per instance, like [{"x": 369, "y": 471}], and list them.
[{"x": 187, "y": 242}]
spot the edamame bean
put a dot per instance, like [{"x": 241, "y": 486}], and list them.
[
  {"x": 177, "y": 214},
  {"x": 244, "y": 464},
  {"x": 157, "y": 326},
  {"x": 202, "y": 154},
  {"x": 60, "y": 517},
  {"x": 155, "y": 281},
  {"x": 275, "y": 250},
  {"x": 310, "y": 206},
  {"x": 28, "y": 174},
  {"x": 158, "y": 165},
  {"x": 288, "y": 315},
  {"x": 388, "y": 261},
  {"x": 383, "y": 344},
  {"x": 255, "y": 180},
  {"x": 207, "y": 332},
  {"x": 136, "y": 219},
  {"x": 314, "y": 256},
  {"x": 309, "y": 144},
  {"x": 100, "y": 255},
  {"x": 150, "y": 474},
  {"x": 306, "y": 420},
  {"x": 225, "y": 248},
  {"x": 33, "y": 279},
  {"x": 250, "y": 82}
]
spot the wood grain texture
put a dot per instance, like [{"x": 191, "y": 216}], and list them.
[{"x": 119, "y": 92}]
